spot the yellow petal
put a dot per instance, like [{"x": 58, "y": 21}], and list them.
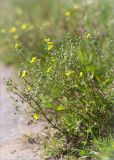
[
  {"x": 12, "y": 30},
  {"x": 36, "y": 116},
  {"x": 49, "y": 47},
  {"x": 33, "y": 59},
  {"x": 29, "y": 88},
  {"x": 17, "y": 45},
  {"x": 68, "y": 14},
  {"x": 88, "y": 35},
  {"x": 81, "y": 74},
  {"x": 23, "y": 26},
  {"x": 24, "y": 73},
  {"x": 46, "y": 40}
]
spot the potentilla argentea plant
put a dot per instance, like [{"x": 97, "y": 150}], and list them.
[{"x": 69, "y": 88}]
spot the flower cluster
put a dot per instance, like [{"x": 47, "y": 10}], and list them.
[{"x": 49, "y": 44}]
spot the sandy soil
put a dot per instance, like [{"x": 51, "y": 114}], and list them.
[{"x": 18, "y": 140}]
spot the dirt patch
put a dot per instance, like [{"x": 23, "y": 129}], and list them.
[{"x": 18, "y": 140}]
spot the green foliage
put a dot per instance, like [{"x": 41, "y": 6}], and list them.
[
  {"x": 50, "y": 18},
  {"x": 105, "y": 149},
  {"x": 68, "y": 87}
]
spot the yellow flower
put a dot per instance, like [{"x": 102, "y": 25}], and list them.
[
  {"x": 12, "y": 30},
  {"x": 75, "y": 6},
  {"x": 68, "y": 13},
  {"x": 49, "y": 47},
  {"x": 23, "y": 26},
  {"x": 33, "y": 59},
  {"x": 49, "y": 44},
  {"x": 36, "y": 116},
  {"x": 88, "y": 35},
  {"x": 81, "y": 74},
  {"x": 16, "y": 45},
  {"x": 24, "y": 73},
  {"x": 68, "y": 73},
  {"x": 46, "y": 40},
  {"x": 49, "y": 69},
  {"x": 29, "y": 88}
]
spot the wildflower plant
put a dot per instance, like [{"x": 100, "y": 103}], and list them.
[
  {"x": 68, "y": 87},
  {"x": 70, "y": 82}
]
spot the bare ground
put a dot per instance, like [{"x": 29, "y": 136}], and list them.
[{"x": 18, "y": 140}]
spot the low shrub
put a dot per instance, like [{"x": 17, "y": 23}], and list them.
[{"x": 70, "y": 89}]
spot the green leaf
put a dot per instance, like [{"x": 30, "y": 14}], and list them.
[
  {"x": 107, "y": 81},
  {"x": 60, "y": 108},
  {"x": 83, "y": 153}
]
